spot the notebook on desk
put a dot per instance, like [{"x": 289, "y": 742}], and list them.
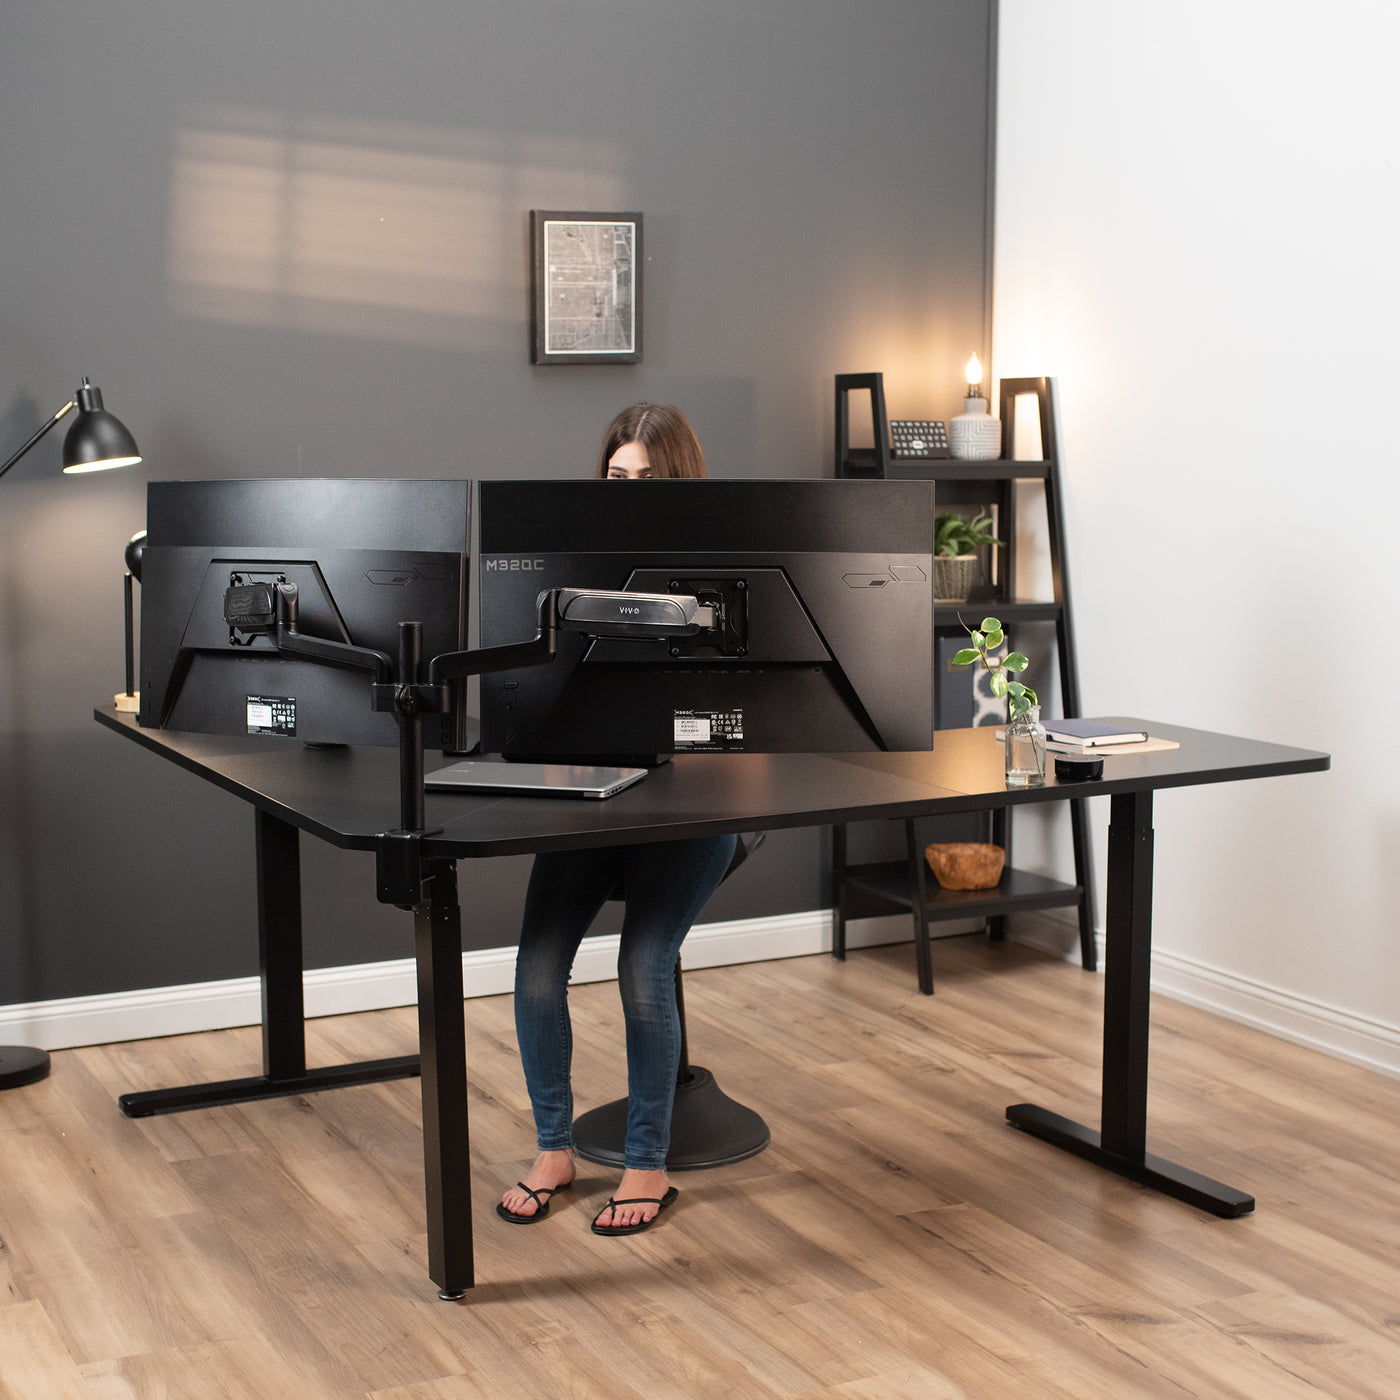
[
  {"x": 1091, "y": 733},
  {"x": 486, "y": 775}
]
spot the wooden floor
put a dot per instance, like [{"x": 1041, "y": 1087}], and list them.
[{"x": 896, "y": 1240}]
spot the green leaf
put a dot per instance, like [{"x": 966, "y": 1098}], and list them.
[
  {"x": 1015, "y": 662},
  {"x": 998, "y": 685},
  {"x": 965, "y": 657},
  {"x": 994, "y": 640},
  {"x": 954, "y": 535},
  {"x": 1015, "y": 689},
  {"x": 991, "y": 624}
]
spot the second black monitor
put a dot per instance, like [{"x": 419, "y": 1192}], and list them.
[{"x": 823, "y": 598}]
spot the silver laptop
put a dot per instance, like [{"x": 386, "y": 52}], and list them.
[{"x": 532, "y": 779}]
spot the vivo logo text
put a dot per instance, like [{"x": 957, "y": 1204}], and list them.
[
  {"x": 514, "y": 566},
  {"x": 630, "y": 612}
]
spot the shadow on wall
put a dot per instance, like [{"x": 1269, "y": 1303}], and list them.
[{"x": 390, "y": 231}]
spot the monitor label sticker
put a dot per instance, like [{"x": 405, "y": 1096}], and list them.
[
  {"x": 694, "y": 730},
  {"x": 272, "y": 714}
]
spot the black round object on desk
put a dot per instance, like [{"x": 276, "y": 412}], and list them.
[{"x": 1077, "y": 770}]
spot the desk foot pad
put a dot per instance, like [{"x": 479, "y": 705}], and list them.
[
  {"x": 262, "y": 1086},
  {"x": 1147, "y": 1170}
]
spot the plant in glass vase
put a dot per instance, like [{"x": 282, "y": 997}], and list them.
[{"x": 1025, "y": 739}]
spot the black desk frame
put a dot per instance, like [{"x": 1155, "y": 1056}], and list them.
[
  {"x": 280, "y": 971},
  {"x": 1120, "y": 1145}
]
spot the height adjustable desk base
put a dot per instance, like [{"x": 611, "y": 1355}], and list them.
[
  {"x": 737, "y": 792},
  {"x": 283, "y": 1005},
  {"x": 1121, "y": 1147},
  {"x": 1181, "y": 1183},
  {"x": 263, "y": 1086}
]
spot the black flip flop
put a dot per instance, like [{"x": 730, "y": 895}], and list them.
[
  {"x": 541, "y": 1199},
  {"x": 660, "y": 1203}
]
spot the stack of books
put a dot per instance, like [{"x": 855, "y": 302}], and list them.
[{"x": 1085, "y": 735}]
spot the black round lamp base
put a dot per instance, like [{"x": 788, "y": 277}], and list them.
[
  {"x": 22, "y": 1064},
  {"x": 708, "y": 1129}
]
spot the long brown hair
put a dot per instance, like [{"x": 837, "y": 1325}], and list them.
[{"x": 670, "y": 441}]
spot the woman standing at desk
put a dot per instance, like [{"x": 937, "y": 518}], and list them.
[{"x": 665, "y": 886}]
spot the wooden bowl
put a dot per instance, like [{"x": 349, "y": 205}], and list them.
[{"x": 965, "y": 865}]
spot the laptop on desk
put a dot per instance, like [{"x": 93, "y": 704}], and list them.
[{"x": 488, "y": 775}]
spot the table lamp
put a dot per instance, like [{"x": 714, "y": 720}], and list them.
[
  {"x": 95, "y": 442},
  {"x": 974, "y": 435}
]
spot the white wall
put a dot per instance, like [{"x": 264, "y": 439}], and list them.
[{"x": 1197, "y": 234}]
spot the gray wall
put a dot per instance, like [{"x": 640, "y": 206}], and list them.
[{"x": 290, "y": 239}]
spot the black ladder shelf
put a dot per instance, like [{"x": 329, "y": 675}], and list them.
[{"x": 865, "y": 889}]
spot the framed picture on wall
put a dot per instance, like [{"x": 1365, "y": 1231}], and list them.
[{"x": 586, "y": 288}]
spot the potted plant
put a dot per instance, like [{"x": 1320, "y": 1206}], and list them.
[
  {"x": 956, "y": 540},
  {"x": 1025, "y": 738}
]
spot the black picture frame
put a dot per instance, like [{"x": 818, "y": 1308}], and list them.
[{"x": 585, "y": 288}]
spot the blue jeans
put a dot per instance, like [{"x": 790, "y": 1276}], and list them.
[{"x": 666, "y": 885}]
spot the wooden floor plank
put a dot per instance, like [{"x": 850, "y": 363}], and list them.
[{"x": 33, "y": 1359}]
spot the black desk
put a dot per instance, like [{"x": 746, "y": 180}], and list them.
[{"x": 348, "y": 797}]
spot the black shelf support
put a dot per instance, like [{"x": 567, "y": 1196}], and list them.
[
  {"x": 907, "y": 884},
  {"x": 862, "y": 461}
]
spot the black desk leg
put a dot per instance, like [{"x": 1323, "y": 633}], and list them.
[
  {"x": 918, "y": 885},
  {"x": 280, "y": 966},
  {"x": 437, "y": 930},
  {"x": 838, "y": 892},
  {"x": 1121, "y": 1146},
  {"x": 280, "y": 960}
]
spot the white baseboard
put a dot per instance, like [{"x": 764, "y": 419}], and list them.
[
  {"x": 204, "y": 1006},
  {"x": 335, "y": 991},
  {"x": 1341, "y": 1034},
  {"x": 1304, "y": 1021}
]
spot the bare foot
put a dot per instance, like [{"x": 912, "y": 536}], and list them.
[
  {"x": 552, "y": 1170},
  {"x": 650, "y": 1186}
]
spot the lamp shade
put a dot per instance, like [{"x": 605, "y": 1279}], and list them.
[{"x": 97, "y": 440}]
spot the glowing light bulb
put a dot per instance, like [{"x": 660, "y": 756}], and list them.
[{"x": 974, "y": 435}]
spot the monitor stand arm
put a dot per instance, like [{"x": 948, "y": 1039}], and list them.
[
  {"x": 401, "y": 691},
  {"x": 398, "y": 689}
]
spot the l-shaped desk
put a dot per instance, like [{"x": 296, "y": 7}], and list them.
[{"x": 349, "y": 797}]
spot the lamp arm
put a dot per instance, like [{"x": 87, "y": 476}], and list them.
[{"x": 68, "y": 407}]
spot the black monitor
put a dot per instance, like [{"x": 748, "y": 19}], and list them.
[
  {"x": 823, "y": 617},
  {"x": 365, "y": 555}
]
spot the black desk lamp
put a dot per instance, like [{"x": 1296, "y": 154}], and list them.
[{"x": 95, "y": 442}]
